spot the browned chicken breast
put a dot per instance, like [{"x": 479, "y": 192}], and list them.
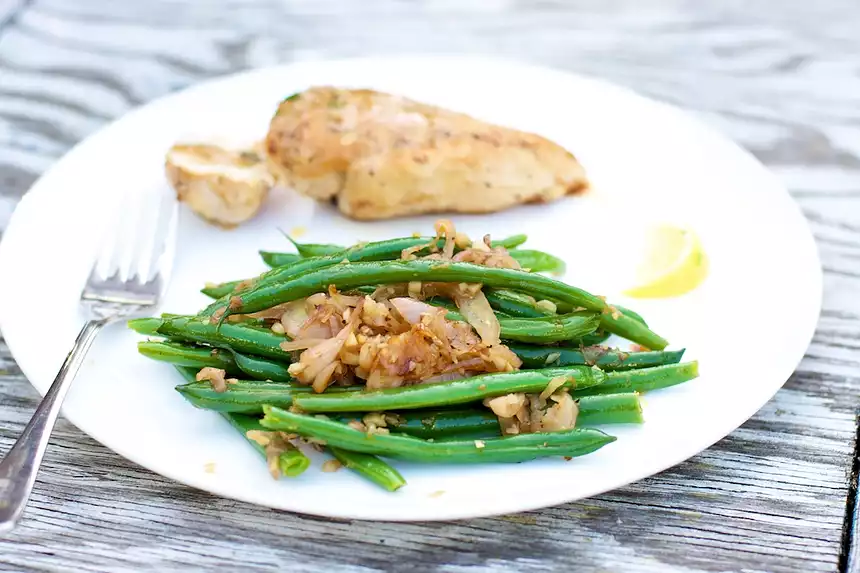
[
  {"x": 224, "y": 187},
  {"x": 380, "y": 156}
]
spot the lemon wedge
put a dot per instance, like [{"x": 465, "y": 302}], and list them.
[{"x": 674, "y": 264}]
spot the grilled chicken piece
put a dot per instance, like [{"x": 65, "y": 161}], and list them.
[
  {"x": 381, "y": 156},
  {"x": 222, "y": 186}
]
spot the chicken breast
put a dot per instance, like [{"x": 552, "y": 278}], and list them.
[
  {"x": 224, "y": 187},
  {"x": 381, "y": 156}
]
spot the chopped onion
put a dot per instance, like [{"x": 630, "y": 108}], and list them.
[
  {"x": 506, "y": 406},
  {"x": 294, "y": 316},
  {"x": 477, "y": 311},
  {"x": 560, "y": 416},
  {"x": 553, "y": 385},
  {"x": 411, "y": 309},
  {"x": 445, "y": 228}
]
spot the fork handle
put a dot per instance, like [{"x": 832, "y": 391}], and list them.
[{"x": 19, "y": 468}]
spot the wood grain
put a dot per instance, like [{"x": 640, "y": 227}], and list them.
[{"x": 780, "y": 78}]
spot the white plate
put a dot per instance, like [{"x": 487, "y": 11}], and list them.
[{"x": 748, "y": 324}]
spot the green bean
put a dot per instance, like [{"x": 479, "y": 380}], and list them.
[
  {"x": 243, "y": 396},
  {"x": 597, "y": 337},
  {"x": 322, "y": 249},
  {"x": 274, "y": 259},
  {"x": 261, "y": 324},
  {"x": 622, "y": 408},
  {"x": 261, "y": 368},
  {"x": 347, "y": 276},
  {"x": 185, "y": 355},
  {"x": 517, "y": 304},
  {"x": 377, "y": 251},
  {"x": 511, "y": 242},
  {"x": 147, "y": 326},
  {"x": 538, "y": 261},
  {"x": 473, "y": 422},
  {"x": 448, "y": 393},
  {"x": 549, "y": 329},
  {"x": 643, "y": 380},
  {"x": 234, "y": 336},
  {"x": 370, "y": 467},
  {"x": 220, "y": 290},
  {"x": 234, "y": 363},
  {"x": 533, "y": 261},
  {"x": 524, "y": 447},
  {"x": 291, "y": 462},
  {"x": 605, "y": 358},
  {"x": 442, "y": 424},
  {"x": 317, "y": 249},
  {"x": 225, "y": 289}
]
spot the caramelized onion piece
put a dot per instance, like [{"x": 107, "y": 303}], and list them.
[{"x": 477, "y": 311}]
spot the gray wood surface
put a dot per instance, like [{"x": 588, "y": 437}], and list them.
[{"x": 782, "y": 78}]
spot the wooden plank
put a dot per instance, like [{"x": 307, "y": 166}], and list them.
[{"x": 777, "y": 77}]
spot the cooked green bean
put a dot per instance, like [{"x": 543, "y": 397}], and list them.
[
  {"x": 353, "y": 275},
  {"x": 568, "y": 443},
  {"x": 243, "y": 396},
  {"x": 632, "y": 314},
  {"x": 291, "y": 462},
  {"x": 442, "y": 424},
  {"x": 234, "y": 363},
  {"x": 220, "y": 290},
  {"x": 549, "y": 329},
  {"x": 274, "y": 259},
  {"x": 538, "y": 261},
  {"x": 643, "y": 380},
  {"x": 262, "y": 368},
  {"x": 511, "y": 242},
  {"x": 517, "y": 304},
  {"x": 605, "y": 358},
  {"x": 347, "y": 276},
  {"x": 448, "y": 393},
  {"x": 233, "y": 336},
  {"x": 322, "y": 249},
  {"x": 185, "y": 355},
  {"x": 376, "y": 251},
  {"x": 307, "y": 250},
  {"x": 620, "y": 408},
  {"x": 599, "y": 336},
  {"x": 250, "y": 397},
  {"x": 370, "y": 467},
  {"x": 481, "y": 422},
  {"x": 316, "y": 249}
]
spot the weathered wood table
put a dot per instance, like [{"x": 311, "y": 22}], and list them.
[{"x": 782, "y": 78}]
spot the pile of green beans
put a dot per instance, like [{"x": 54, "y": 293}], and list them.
[{"x": 555, "y": 330}]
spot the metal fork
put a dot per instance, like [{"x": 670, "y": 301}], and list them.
[{"x": 128, "y": 278}]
